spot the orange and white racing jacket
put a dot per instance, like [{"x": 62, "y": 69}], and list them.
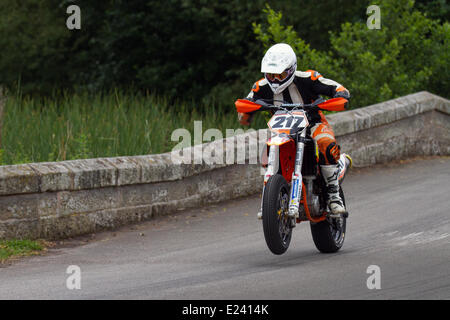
[{"x": 305, "y": 88}]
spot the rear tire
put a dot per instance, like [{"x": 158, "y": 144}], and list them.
[
  {"x": 329, "y": 235},
  {"x": 276, "y": 222}
]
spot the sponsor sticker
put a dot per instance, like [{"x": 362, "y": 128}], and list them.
[{"x": 295, "y": 189}]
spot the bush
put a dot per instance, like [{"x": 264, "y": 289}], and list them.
[
  {"x": 408, "y": 54},
  {"x": 206, "y": 50}
]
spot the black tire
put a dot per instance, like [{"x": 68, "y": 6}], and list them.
[
  {"x": 329, "y": 235},
  {"x": 276, "y": 222}
]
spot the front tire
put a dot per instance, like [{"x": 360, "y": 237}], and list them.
[
  {"x": 329, "y": 234},
  {"x": 276, "y": 221}
]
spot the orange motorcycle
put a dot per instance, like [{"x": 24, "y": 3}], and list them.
[{"x": 294, "y": 189}]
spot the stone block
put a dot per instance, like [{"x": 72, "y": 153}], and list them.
[
  {"x": 53, "y": 176},
  {"x": 91, "y": 173},
  {"x": 18, "y": 179}
]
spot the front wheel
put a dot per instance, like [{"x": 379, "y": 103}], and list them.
[
  {"x": 276, "y": 221},
  {"x": 329, "y": 234}
]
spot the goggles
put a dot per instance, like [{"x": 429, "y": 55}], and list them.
[{"x": 279, "y": 76}]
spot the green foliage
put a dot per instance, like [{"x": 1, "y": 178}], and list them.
[
  {"x": 435, "y": 9},
  {"x": 179, "y": 48},
  {"x": 409, "y": 53},
  {"x": 312, "y": 19},
  {"x": 33, "y": 52},
  {"x": 85, "y": 125},
  {"x": 19, "y": 248},
  {"x": 177, "y": 61},
  {"x": 183, "y": 49},
  {"x": 82, "y": 147},
  {"x": 205, "y": 53},
  {"x": 276, "y": 32}
]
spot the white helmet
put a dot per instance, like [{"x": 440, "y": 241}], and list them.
[{"x": 279, "y": 65}]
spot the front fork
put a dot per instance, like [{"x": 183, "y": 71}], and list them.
[
  {"x": 296, "y": 182},
  {"x": 273, "y": 163}
]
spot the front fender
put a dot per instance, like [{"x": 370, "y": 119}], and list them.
[{"x": 278, "y": 140}]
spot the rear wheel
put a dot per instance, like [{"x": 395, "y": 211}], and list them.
[
  {"x": 276, "y": 221},
  {"x": 329, "y": 234}
]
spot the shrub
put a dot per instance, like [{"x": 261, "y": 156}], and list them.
[{"x": 409, "y": 53}]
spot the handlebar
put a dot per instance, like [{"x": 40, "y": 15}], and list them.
[
  {"x": 289, "y": 106},
  {"x": 248, "y": 106}
]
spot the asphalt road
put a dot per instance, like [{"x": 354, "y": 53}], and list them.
[{"x": 399, "y": 221}]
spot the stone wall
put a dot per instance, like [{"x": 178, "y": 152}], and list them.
[
  {"x": 69, "y": 198},
  {"x": 414, "y": 125}
]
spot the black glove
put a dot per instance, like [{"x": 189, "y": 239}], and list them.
[{"x": 342, "y": 94}]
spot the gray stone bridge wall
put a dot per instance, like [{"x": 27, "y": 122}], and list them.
[{"x": 70, "y": 198}]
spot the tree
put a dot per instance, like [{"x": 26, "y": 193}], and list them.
[{"x": 409, "y": 53}]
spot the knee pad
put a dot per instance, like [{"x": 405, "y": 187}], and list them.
[{"x": 329, "y": 153}]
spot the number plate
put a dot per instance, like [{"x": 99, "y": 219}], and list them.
[{"x": 286, "y": 122}]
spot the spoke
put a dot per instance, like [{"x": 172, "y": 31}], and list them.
[{"x": 283, "y": 227}]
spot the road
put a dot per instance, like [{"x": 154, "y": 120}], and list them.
[{"x": 399, "y": 221}]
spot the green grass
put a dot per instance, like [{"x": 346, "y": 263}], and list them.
[
  {"x": 83, "y": 125},
  {"x": 10, "y": 249}
]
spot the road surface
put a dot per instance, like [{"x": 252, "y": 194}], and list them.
[{"x": 399, "y": 221}]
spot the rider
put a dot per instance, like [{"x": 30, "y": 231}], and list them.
[{"x": 282, "y": 82}]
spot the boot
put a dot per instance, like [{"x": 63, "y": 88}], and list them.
[{"x": 330, "y": 174}]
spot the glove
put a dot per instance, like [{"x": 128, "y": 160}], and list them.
[{"x": 343, "y": 93}]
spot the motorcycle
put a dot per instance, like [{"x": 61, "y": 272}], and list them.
[{"x": 294, "y": 189}]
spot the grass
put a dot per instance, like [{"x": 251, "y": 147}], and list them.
[
  {"x": 11, "y": 249},
  {"x": 117, "y": 123}
]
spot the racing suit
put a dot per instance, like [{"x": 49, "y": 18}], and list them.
[{"x": 306, "y": 87}]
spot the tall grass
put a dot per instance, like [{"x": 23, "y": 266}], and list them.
[{"x": 82, "y": 125}]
